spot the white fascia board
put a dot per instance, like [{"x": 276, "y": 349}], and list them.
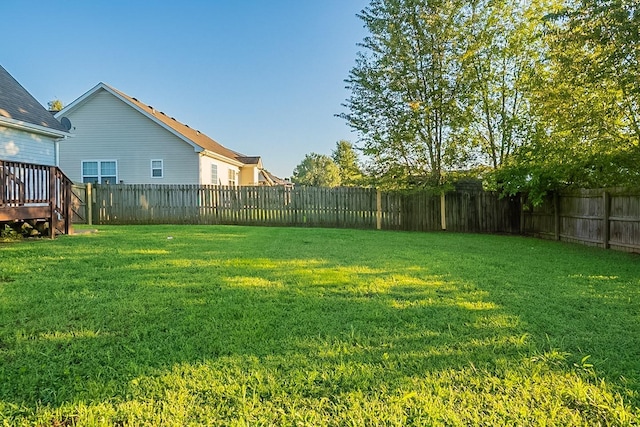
[
  {"x": 222, "y": 158},
  {"x": 33, "y": 128},
  {"x": 69, "y": 108}
]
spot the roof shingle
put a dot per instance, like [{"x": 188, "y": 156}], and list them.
[
  {"x": 19, "y": 105},
  {"x": 194, "y": 135}
]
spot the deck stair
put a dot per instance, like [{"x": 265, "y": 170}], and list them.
[{"x": 33, "y": 194}]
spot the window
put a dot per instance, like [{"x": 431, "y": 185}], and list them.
[
  {"x": 157, "y": 169},
  {"x": 232, "y": 177},
  {"x": 90, "y": 172},
  {"x": 214, "y": 174},
  {"x": 100, "y": 172}
]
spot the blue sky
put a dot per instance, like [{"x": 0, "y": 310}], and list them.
[{"x": 263, "y": 77}]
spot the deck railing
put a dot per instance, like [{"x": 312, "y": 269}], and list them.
[{"x": 35, "y": 192}]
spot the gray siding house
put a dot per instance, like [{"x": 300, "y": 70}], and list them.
[{"x": 118, "y": 139}]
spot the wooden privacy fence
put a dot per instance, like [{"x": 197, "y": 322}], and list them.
[
  {"x": 610, "y": 219},
  {"x": 301, "y": 206},
  {"x": 607, "y": 218},
  {"x": 195, "y": 204}
]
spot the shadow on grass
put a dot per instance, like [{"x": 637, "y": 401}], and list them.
[{"x": 321, "y": 311}]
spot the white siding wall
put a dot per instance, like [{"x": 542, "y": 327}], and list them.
[
  {"x": 21, "y": 146},
  {"x": 223, "y": 171},
  {"x": 105, "y": 128}
]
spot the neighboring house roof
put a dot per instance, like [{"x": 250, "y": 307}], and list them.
[
  {"x": 21, "y": 110},
  {"x": 249, "y": 160},
  {"x": 267, "y": 178},
  {"x": 194, "y": 137},
  {"x": 255, "y": 161}
]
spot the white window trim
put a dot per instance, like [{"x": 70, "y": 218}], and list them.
[
  {"x": 214, "y": 181},
  {"x": 99, "y": 161},
  {"x": 234, "y": 182},
  {"x": 161, "y": 168}
]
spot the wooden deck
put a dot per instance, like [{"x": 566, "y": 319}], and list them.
[{"x": 30, "y": 192}]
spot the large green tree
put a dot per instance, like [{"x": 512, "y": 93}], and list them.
[
  {"x": 501, "y": 52},
  {"x": 317, "y": 170},
  {"x": 405, "y": 88},
  {"x": 597, "y": 48},
  {"x": 546, "y": 93},
  {"x": 585, "y": 102},
  {"x": 346, "y": 158},
  {"x": 442, "y": 85}
]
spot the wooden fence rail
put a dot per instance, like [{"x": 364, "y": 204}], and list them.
[{"x": 610, "y": 219}]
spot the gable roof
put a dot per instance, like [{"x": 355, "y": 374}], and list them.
[
  {"x": 194, "y": 137},
  {"x": 18, "y": 108}
]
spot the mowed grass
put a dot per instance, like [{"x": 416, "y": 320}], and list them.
[{"x": 204, "y": 325}]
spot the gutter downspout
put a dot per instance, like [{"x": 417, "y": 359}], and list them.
[{"x": 56, "y": 151}]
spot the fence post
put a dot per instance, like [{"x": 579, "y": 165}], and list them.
[
  {"x": 3, "y": 184},
  {"x": 88, "y": 197},
  {"x": 443, "y": 211},
  {"x": 606, "y": 207},
  {"x": 52, "y": 202},
  {"x": 522, "y": 228},
  {"x": 378, "y": 209},
  {"x": 68, "y": 210},
  {"x": 556, "y": 215}
]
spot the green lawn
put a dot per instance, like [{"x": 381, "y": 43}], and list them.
[{"x": 276, "y": 326}]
